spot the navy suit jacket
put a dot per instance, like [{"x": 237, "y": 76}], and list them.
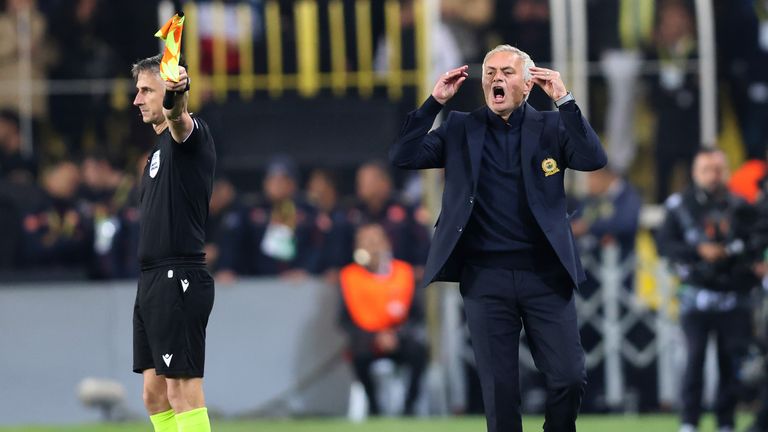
[{"x": 457, "y": 145}]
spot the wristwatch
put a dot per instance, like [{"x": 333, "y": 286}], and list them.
[{"x": 567, "y": 98}]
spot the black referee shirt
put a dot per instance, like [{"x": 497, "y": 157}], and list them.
[{"x": 175, "y": 192}]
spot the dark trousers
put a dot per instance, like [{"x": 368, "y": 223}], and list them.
[
  {"x": 732, "y": 330},
  {"x": 499, "y": 303},
  {"x": 410, "y": 353}
]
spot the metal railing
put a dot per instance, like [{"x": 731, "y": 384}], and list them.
[{"x": 308, "y": 79}]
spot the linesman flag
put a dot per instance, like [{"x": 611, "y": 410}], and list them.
[{"x": 170, "y": 33}]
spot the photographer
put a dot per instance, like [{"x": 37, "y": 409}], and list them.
[{"x": 706, "y": 243}]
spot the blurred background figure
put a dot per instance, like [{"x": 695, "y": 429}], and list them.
[
  {"x": 334, "y": 239},
  {"x": 609, "y": 214},
  {"x": 378, "y": 204},
  {"x": 705, "y": 242},
  {"x": 57, "y": 234},
  {"x": 381, "y": 314},
  {"x": 21, "y": 22},
  {"x": 225, "y": 242},
  {"x": 674, "y": 95},
  {"x": 103, "y": 193},
  {"x": 15, "y": 167},
  {"x": 280, "y": 228},
  {"x": 621, "y": 31}
]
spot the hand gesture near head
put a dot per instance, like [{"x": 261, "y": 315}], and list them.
[
  {"x": 448, "y": 84},
  {"x": 549, "y": 81}
]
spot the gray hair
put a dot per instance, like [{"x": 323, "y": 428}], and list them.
[
  {"x": 149, "y": 64},
  {"x": 527, "y": 62}
]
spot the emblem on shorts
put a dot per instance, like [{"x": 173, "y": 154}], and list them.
[
  {"x": 549, "y": 166},
  {"x": 184, "y": 284},
  {"x": 154, "y": 165},
  {"x": 167, "y": 359}
]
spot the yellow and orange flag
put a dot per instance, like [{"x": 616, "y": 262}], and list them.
[{"x": 170, "y": 33}]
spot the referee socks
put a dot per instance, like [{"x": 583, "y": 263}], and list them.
[
  {"x": 164, "y": 421},
  {"x": 194, "y": 421}
]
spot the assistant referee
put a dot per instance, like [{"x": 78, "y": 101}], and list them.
[{"x": 175, "y": 292}]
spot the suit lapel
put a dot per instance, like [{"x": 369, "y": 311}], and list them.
[
  {"x": 476, "y": 128},
  {"x": 533, "y": 125}
]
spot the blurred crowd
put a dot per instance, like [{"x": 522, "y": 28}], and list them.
[{"x": 82, "y": 218}]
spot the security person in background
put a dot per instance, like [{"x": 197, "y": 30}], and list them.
[
  {"x": 381, "y": 314},
  {"x": 701, "y": 239}
]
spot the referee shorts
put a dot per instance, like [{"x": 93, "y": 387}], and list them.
[{"x": 170, "y": 316}]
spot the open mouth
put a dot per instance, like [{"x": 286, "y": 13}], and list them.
[{"x": 498, "y": 93}]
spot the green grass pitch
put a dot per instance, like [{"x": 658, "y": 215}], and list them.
[{"x": 586, "y": 423}]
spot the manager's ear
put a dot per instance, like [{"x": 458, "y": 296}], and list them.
[{"x": 528, "y": 86}]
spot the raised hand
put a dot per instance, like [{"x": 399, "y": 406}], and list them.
[
  {"x": 178, "y": 86},
  {"x": 449, "y": 84},
  {"x": 549, "y": 81}
]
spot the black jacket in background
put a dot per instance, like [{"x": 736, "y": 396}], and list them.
[{"x": 695, "y": 217}]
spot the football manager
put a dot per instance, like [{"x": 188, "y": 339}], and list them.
[{"x": 503, "y": 232}]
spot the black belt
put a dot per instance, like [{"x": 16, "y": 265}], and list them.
[
  {"x": 185, "y": 262},
  {"x": 527, "y": 259}
]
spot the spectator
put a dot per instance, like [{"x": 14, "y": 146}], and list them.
[
  {"x": 377, "y": 204},
  {"x": 334, "y": 237},
  {"x": 103, "y": 184},
  {"x": 14, "y": 166},
  {"x": 741, "y": 32},
  {"x": 381, "y": 314},
  {"x": 13, "y": 27},
  {"x": 126, "y": 243},
  {"x": 619, "y": 31},
  {"x": 225, "y": 243},
  {"x": 674, "y": 94},
  {"x": 57, "y": 234},
  {"x": 104, "y": 192},
  {"x": 609, "y": 214},
  {"x": 279, "y": 230}
]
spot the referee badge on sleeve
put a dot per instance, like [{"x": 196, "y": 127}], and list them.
[
  {"x": 154, "y": 165},
  {"x": 549, "y": 166}
]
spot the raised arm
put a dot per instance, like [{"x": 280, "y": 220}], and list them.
[
  {"x": 416, "y": 147},
  {"x": 179, "y": 121},
  {"x": 583, "y": 150}
]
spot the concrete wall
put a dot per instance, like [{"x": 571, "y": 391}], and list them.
[{"x": 264, "y": 338}]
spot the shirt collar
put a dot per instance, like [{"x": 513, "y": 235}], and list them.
[{"x": 514, "y": 122}]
